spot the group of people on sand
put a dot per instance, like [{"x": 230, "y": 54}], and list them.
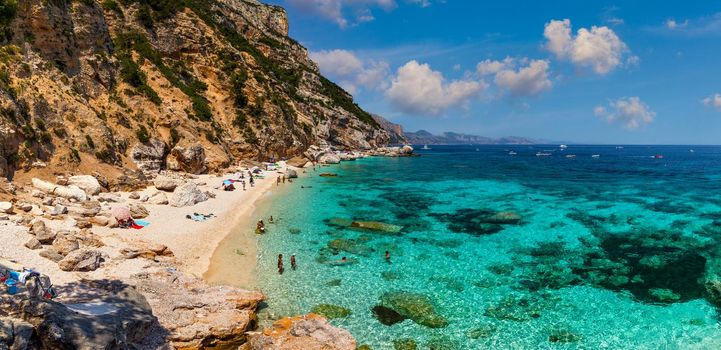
[
  {"x": 260, "y": 226},
  {"x": 280, "y": 263},
  {"x": 282, "y": 179}
]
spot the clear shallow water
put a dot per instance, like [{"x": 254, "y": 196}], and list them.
[{"x": 610, "y": 253}]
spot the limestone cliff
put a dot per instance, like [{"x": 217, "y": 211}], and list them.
[{"x": 191, "y": 85}]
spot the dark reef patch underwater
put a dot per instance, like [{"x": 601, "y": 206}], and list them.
[{"x": 491, "y": 251}]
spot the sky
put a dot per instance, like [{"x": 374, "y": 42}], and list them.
[{"x": 631, "y": 72}]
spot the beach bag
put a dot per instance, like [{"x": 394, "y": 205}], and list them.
[{"x": 11, "y": 286}]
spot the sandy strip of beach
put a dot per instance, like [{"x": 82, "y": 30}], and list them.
[{"x": 194, "y": 243}]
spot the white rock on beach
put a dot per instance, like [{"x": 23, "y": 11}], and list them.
[
  {"x": 165, "y": 184},
  {"x": 70, "y": 192},
  {"x": 329, "y": 158},
  {"x": 159, "y": 198},
  {"x": 6, "y": 207},
  {"x": 87, "y": 183},
  {"x": 186, "y": 195}
]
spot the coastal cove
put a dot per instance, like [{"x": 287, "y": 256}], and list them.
[{"x": 500, "y": 251}]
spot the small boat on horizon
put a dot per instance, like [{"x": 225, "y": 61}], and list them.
[
  {"x": 570, "y": 156},
  {"x": 511, "y": 153},
  {"x": 596, "y": 156},
  {"x": 540, "y": 154},
  {"x": 562, "y": 147},
  {"x": 425, "y": 147},
  {"x": 658, "y": 156},
  {"x": 619, "y": 147}
]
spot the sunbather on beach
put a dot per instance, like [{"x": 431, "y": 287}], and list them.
[
  {"x": 280, "y": 264},
  {"x": 292, "y": 262}
]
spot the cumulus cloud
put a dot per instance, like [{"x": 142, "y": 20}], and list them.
[
  {"x": 631, "y": 112},
  {"x": 598, "y": 48},
  {"x": 348, "y": 12},
  {"x": 713, "y": 101},
  {"x": 351, "y": 72},
  {"x": 417, "y": 89},
  {"x": 521, "y": 77}
]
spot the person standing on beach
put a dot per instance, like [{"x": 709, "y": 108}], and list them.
[
  {"x": 243, "y": 182},
  {"x": 283, "y": 176},
  {"x": 280, "y": 264},
  {"x": 277, "y": 181},
  {"x": 292, "y": 262},
  {"x": 388, "y": 257}
]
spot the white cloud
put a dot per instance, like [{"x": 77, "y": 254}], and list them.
[
  {"x": 351, "y": 72},
  {"x": 599, "y": 48},
  {"x": 417, "y": 89},
  {"x": 521, "y": 77},
  {"x": 338, "y": 10},
  {"x": 672, "y": 24},
  {"x": 615, "y": 21},
  {"x": 631, "y": 112},
  {"x": 527, "y": 81},
  {"x": 713, "y": 101}
]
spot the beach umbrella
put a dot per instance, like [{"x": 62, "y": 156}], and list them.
[
  {"x": 121, "y": 213},
  {"x": 227, "y": 182}
]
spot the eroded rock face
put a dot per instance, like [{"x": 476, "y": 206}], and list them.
[
  {"x": 302, "y": 332},
  {"x": 190, "y": 159},
  {"x": 149, "y": 156},
  {"x": 197, "y": 315}
]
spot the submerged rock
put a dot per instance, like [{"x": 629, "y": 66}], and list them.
[
  {"x": 483, "y": 331},
  {"x": 387, "y": 316},
  {"x": 376, "y": 226},
  {"x": 349, "y": 246},
  {"x": 563, "y": 336},
  {"x": 330, "y": 311},
  {"x": 415, "y": 306},
  {"x": 405, "y": 344}
]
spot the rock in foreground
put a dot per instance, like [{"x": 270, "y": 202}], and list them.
[{"x": 309, "y": 332}]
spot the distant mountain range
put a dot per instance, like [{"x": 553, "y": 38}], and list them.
[{"x": 423, "y": 137}]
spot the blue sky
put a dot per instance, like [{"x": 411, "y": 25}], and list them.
[{"x": 592, "y": 72}]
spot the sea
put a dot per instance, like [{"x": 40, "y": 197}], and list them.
[{"x": 588, "y": 247}]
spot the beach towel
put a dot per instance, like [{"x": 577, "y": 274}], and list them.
[{"x": 138, "y": 224}]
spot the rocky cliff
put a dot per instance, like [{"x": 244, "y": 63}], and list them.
[
  {"x": 423, "y": 137},
  {"x": 191, "y": 85}
]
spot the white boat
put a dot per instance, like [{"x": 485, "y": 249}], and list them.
[
  {"x": 619, "y": 147},
  {"x": 596, "y": 156},
  {"x": 562, "y": 146},
  {"x": 540, "y": 154},
  {"x": 570, "y": 156},
  {"x": 425, "y": 147},
  {"x": 691, "y": 151},
  {"x": 511, "y": 153}
]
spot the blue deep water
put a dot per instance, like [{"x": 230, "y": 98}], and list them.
[{"x": 499, "y": 251}]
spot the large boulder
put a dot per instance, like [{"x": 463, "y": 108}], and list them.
[
  {"x": 186, "y": 195},
  {"x": 81, "y": 260},
  {"x": 297, "y": 161},
  {"x": 190, "y": 160},
  {"x": 93, "y": 315},
  {"x": 406, "y": 150},
  {"x": 291, "y": 174},
  {"x": 65, "y": 243},
  {"x": 196, "y": 315},
  {"x": 302, "y": 332},
  {"x": 158, "y": 198},
  {"x": 329, "y": 158},
  {"x": 15, "y": 334},
  {"x": 149, "y": 156},
  {"x": 42, "y": 233},
  {"x": 87, "y": 183},
  {"x": 165, "y": 184},
  {"x": 6, "y": 207}
]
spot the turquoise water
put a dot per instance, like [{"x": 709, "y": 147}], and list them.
[{"x": 609, "y": 253}]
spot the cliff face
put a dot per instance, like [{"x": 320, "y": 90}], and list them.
[
  {"x": 187, "y": 84},
  {"x": 395, "y": 131},
  {"x": 423, "y": 137}
]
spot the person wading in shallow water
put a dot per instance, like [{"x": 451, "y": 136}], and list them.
[
  {"x": 292, "y": 262},
  {"x": 280, "y": 264},
  {"x": 388, "y": 257}
]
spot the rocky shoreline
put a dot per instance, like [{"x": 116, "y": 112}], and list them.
[{"x": 121, "y": 288}]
